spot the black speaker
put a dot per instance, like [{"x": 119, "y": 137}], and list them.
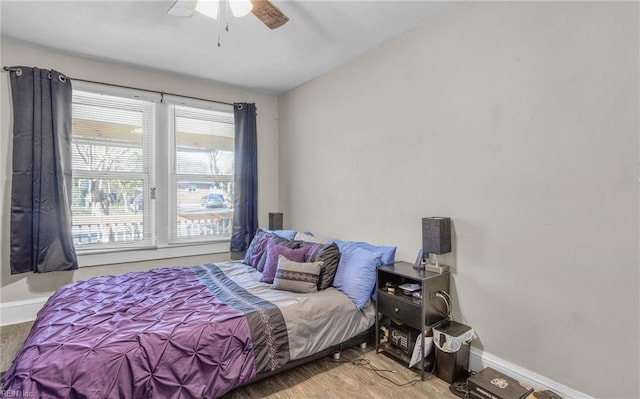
[
  {"x": 436, "y": 235},
  {"x": 275, "y": 221}
]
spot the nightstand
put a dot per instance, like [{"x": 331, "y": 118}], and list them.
[{"x": 412, "y": 315}]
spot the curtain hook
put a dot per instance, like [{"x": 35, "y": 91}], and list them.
[
  {"x": 19, "y": 72},
  {"x": 62, "y": 78}
]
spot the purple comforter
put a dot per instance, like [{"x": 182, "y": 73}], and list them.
[{"x": 166, "y": 333}]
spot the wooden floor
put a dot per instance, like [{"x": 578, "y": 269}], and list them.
[
  {"x": 11, "y": 339},
  {"x": 324, "y": 378}
]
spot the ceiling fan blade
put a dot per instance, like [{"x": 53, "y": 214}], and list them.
[
  {"x": 268, "y": 13},
  {"x": 182, "y": 8}
]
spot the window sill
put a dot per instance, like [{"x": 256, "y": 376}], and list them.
[{"x": 115, "y": 256}]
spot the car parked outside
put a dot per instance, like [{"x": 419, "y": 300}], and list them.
[{"x": 213, "y": 201}]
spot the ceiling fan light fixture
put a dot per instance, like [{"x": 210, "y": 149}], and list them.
[
  {"x": 208, "y": 8},
  {"x": 264, "y": 10},
  {"x": 240, "y": 8}
]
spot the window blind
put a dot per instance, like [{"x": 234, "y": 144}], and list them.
[
  {"x": 202, "y": 170},
  {"x": 111, "y": 161}
]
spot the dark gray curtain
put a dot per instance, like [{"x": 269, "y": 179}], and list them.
[
  {"x": 41, "y": 238},
  {"x": 245, "y": 181}
]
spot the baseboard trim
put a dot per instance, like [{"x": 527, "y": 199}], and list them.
[
  {"x": 20, "y": 311},
  {"x": 478, "y": 360}
]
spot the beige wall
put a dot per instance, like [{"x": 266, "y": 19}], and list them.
[
  {"x": 28, "y": 286},
  {"x": 520, "y": 122}
]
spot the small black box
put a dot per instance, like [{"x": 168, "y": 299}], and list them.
[
  {"x": 275, "y": 221},
  {"x": 492, "y": 384},
  {"x": 403, "y": 338}
]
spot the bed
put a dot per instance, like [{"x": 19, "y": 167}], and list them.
[{"x": 182, "y": 332}]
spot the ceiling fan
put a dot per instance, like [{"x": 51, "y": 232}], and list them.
[{"x": 266, "y": 11}]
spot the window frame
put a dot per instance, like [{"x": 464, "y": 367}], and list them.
[
  {"x": 146, "y": 175},
  {"x": 159, "y": 177},
  {"x": 171, "y": 102}
]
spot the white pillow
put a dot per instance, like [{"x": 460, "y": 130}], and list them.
[{"x": 307, "y": 238}]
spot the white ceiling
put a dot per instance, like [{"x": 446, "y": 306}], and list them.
[{"x": 319, "y": 36}]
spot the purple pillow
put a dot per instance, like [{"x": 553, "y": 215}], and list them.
[
  {"x": 274, "y": 239},
  {"x": 271, "y": 264}
]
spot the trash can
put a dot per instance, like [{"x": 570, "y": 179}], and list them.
[{"x": 452, "y": 350}]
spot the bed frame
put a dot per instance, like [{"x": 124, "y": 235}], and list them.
[{"x": 335, "y": 350}]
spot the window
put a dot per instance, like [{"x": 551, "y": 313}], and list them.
[
  {"x": 111, "y": 161},
  {"x": 140, "y": 164},
  {"x": 202, "y": 170}
]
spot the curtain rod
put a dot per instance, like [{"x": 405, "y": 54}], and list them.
[{"x": 14, "y": 69}]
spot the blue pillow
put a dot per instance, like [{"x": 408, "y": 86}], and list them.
[
  {"x": 356, "y": 275},
  {"x": 288, "y": 234},
  {"x": 388, "y": 253}
]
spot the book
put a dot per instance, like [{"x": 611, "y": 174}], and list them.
[
  {"x": 492, "y": 384},
  {"x": 409, "y": 287},
  {"x": 436, "y": 269}
]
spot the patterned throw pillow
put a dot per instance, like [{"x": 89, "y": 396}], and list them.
[
  {"x": 296, "y": 276},
  {"x": 329, "y": 255},
  {"x": 273, "y": 251},
  {"x": 256, "y": 248}
]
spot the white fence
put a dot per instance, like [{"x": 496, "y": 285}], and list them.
[{"x": 101, "y": 233}]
